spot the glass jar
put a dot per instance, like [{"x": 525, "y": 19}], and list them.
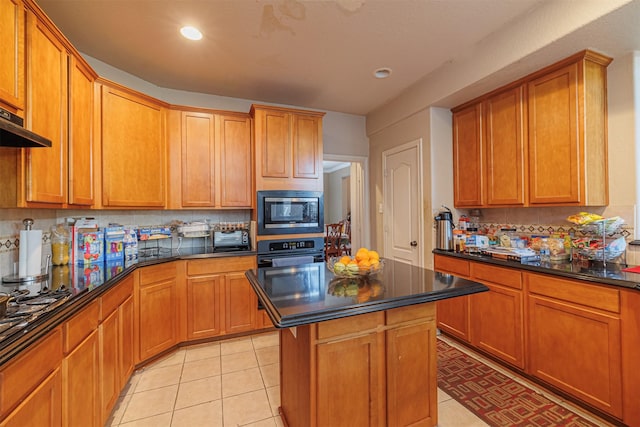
[{"x": 60, "y": 239}]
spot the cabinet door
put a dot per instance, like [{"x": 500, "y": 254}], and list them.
[
  {"x": 47, "y": 59},
  {"x": 133, "y": 150},
  {"x": 12, "y": 54},
  {"x": 554, "y": 138},
  {"x": 240, "y": 304},
  {"x": 43, "y": 407},
  {"x": 109, "y": 376},
  {"x": 350, "y": 383},
  {"x": 198, "y": 159},
  {"x": 504, "y": 148},
  {"x": 125, "y": 332},
  {"x": 80, "y": 133},
  {"x": 496, "y": 319},
  {"x": 411, "y": 375},
  {"x": 236, "y": 176},
  {"x": 81, "y": 372},
  {"x": 157, "y": 317},
  {"x": 453, "y": 316},
  {"x": 307, "y": 146},
  {"x": 273, "y": 139},
  {"x": 467, "y": 157},
  {"x": 577, "y": 349},
  {"x": 203, "y": 306}
]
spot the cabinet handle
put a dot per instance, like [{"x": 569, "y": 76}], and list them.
[{"x": 414, "y": 243}]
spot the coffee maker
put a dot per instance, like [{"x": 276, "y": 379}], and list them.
[{"x": 444, "y": 230}]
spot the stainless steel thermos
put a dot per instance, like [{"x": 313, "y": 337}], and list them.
[{"x": 444, "y": 230}]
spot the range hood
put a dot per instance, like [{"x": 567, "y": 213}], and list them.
[{"x": 13, "y": 134}]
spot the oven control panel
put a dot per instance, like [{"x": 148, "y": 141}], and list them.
[{"x": 285, "y": 245}]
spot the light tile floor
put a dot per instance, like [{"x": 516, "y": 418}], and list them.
[{"x": 235, "y": 382}]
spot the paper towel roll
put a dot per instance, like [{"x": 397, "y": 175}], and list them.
[{"x": 30, "y": 256}]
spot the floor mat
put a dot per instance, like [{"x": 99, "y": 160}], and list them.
[{"x": 495, "y": 398}]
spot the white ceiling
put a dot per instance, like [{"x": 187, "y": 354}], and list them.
[{"x": 307, "y": 53}]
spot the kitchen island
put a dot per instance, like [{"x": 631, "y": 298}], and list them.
[{"x": 357, "y": 350}]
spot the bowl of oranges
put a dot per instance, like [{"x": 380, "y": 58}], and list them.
[{"x": 364, "y": 263}]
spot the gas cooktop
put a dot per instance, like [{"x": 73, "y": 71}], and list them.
[{"x": 25, "y": 306}]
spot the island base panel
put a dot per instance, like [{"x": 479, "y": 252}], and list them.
[{"x": 377, "y": 369}]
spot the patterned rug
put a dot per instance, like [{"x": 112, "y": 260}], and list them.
[{"x": 495, "y": 398}]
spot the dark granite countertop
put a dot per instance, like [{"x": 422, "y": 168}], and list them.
[
  {"x": 310, "y": 293},
  {"x": 86, "y": 283},
  {"x": 587, "y": 271}
]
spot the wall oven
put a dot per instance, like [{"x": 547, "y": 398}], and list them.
[
  {"x": 290, "y": 212},
  {"x": 295, "y": 267}
]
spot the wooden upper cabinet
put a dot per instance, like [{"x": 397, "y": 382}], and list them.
[
  {"x": 210, "y": 163},
  {"x": 540, "y": 141},
  {"x": 568, "y": 134},
  {"x": 133, "y": 149},
  {"x": 288, "y": 151},
  {"x": 47, "y": 59},
  {"x": 467, "y": 157},
  {"x": 307, "y": 146},
  {"x": 504, "y": 152},
  {"x": 12, "y": 74},
  {"x": 236, "y": 166},
  {"x": 81, "y": 119},
  {"x": 198, "y": 159}
]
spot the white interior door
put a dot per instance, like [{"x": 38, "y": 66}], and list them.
[{"x": 402, "y": 195}]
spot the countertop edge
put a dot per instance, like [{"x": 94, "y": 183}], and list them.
[
  {"x": 362, "y": 308},
  {"x": 49, "y": 322},
  {"x": 541, "y": 269}
]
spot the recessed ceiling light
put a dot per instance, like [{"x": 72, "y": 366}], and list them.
[
  {"x": 191, "y": 33},
  {"x": 382, "y": 73}
]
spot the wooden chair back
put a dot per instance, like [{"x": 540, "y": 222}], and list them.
[{"x": 332, "y": 237}]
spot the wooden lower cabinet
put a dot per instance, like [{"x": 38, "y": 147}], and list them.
[
  {"x": 496, "y": 318},
  {"x": 373, "y": 369},
  {"x": 43, "y": 407},
  {"x": 156, "y": 309},
  {"x": 220, "y": 299},
  {"x": 203, "y": 306},
  {"x": 453, "y": 314},
  {"x": 241, "y": 304},
  {"x": 31, "y": 386},
  {"x": 109, "y": 378},
  {"x": 81, "y": 369},
  {"x": 116, "y": 344},
  {"x": 81, "y": 381},
  {"x": 575, "y": 340}
]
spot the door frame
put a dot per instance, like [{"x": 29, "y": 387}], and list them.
[
  {"x": 417, "y": 143},
  {"x": 360, "y": 234}
]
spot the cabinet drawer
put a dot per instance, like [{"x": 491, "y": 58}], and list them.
[
  {"x": 426, "y": 311},
  {"x": 80, "y": 326},
  {"x": 157, "y": 273},
  {"x": 575, "y": 292},
  {"x": 500, "y": 275},
  {"x": 26, "y": 372},
  {"x": 220, "y": 265},
  {"x": 361, "y": 324},
  {"x": 452, "y": 265},
  {"x": 116, "y": 296}
]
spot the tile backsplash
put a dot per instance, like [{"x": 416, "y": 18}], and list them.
[{"x": 44, "y": 219}]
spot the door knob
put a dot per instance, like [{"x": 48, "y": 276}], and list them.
[{"x": 414, "y": 243}]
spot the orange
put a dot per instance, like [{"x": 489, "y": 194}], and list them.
[
  {"x": 375, "y": 264},
  {"x": 362, "y": 254},
  {"x": 345, "y": 260},
  {"x": 364, "y": 264},
  {"x": 374, "y": 255}
]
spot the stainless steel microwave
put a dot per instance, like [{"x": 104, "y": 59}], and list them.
[{"x": 290, "y": 212}]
